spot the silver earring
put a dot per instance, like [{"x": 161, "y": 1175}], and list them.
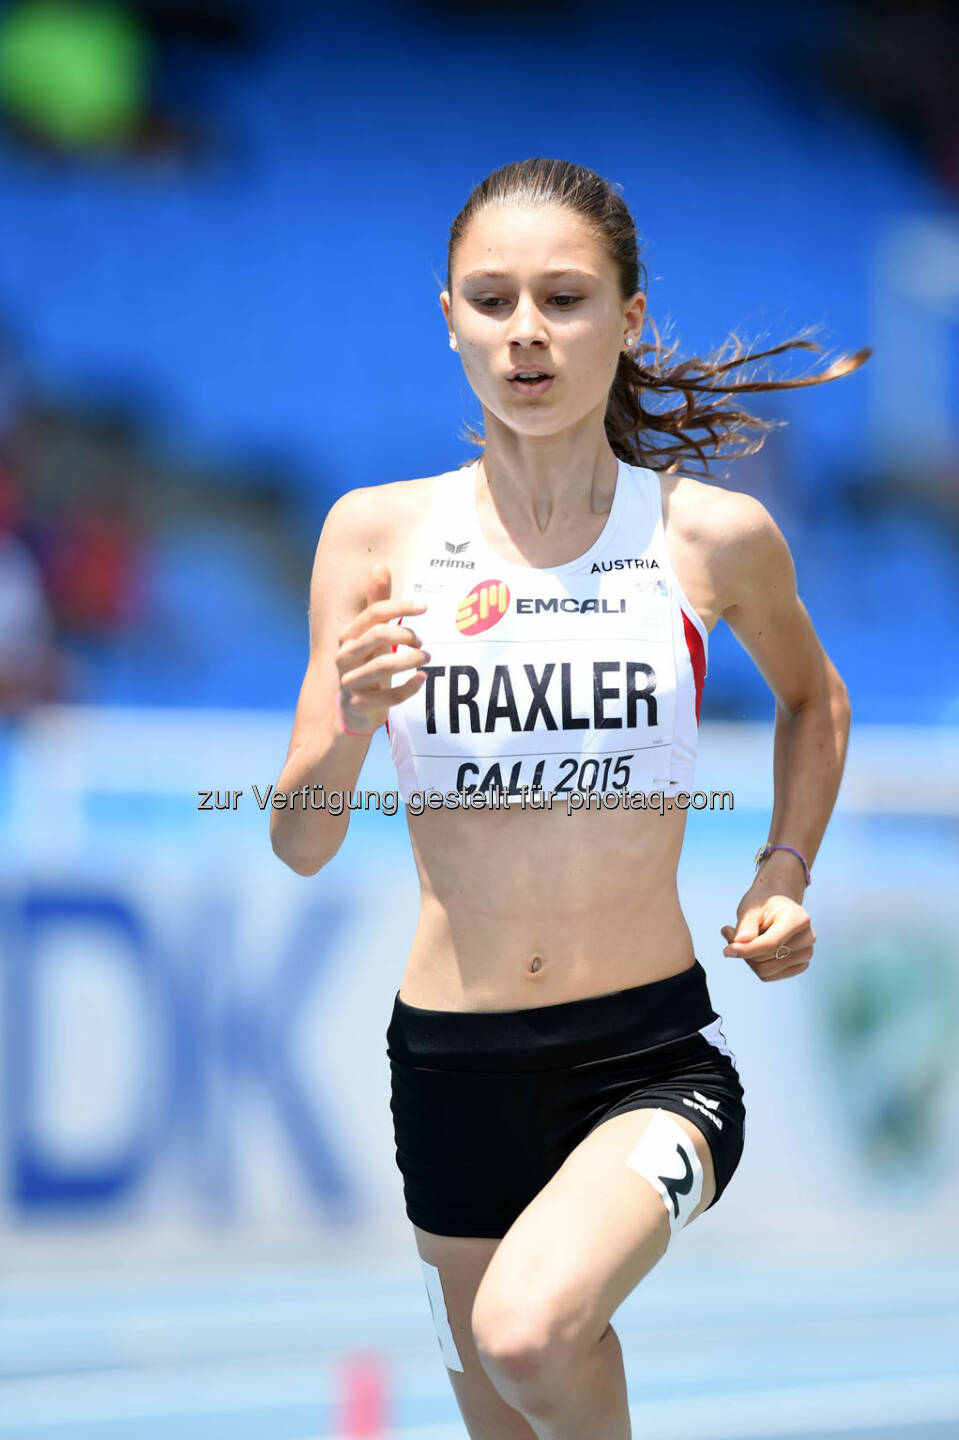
[
  {"x": 452, "y": 342},
  {"x": 630, "y": 340}
]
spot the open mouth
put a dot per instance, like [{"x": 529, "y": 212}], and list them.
[{"x": 532, "y": 382}]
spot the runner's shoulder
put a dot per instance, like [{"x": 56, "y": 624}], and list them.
[
  {"x": 380, "y": 511},
  {"x": 373, "y": 517},
  {"x": 714, "y": 515},
  {"x": 742, "y": 549}
]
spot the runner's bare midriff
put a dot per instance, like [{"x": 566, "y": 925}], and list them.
[{"x": 523, "y": 908}]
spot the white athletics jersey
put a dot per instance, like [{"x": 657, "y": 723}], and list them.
[{"x": 584, "y": 676}]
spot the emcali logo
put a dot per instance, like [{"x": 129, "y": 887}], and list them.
[{"x": 486, "y": 603}]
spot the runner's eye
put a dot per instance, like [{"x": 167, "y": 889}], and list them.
[{"x": 491, "y": 302}]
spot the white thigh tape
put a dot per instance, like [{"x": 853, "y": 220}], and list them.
[
  {"x": 434, "y": 1289},
  {"x": 667, "y": 1158}
]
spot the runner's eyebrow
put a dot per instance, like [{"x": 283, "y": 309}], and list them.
[{"x": 547, "y": 274}]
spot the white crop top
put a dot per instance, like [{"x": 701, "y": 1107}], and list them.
[{"x": 585, "y": 676}]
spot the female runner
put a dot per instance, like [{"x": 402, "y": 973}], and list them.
[{"x": 562, "y": 1094}]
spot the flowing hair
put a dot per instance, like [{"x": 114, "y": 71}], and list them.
[{"x": 643, "y": 427}]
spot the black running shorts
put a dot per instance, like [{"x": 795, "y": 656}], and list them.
[{"x": 487, "y": 1104}]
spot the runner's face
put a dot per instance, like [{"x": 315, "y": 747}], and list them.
[{"x": 572, "y": 326}]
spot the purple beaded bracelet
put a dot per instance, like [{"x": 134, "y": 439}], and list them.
[{"x": 768, "y": 850}]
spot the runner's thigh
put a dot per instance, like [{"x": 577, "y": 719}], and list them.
[{"x": 462, "y": 1263}]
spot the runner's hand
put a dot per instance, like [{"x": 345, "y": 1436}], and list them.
[
  {"x": 767, "y": 923},
  {"x": 366, "y": 660}
]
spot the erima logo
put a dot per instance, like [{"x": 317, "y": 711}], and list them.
[
  {"x": 455, "y": 549},
  {"x": 447, "y": 563},
  {"x": 705, "y": 1107},
  {"x": 537, "y": 605},
  {"x": 682, "y": 1186},
  {"x": 631, "y": 563}
]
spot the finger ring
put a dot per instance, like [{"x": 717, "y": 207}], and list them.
[{"x": 782, "y": 952}]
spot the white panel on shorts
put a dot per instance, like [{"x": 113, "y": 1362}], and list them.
[
  {"x": 714, "y": 1034},
  {"x": 434, "y": 1290},
  {"x": 666, "y": 1157}
]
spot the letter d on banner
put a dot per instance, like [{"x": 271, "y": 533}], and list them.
[{"x": 79, "y": 995}]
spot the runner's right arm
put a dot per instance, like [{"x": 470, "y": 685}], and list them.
[{"x": 352, "y": 633}]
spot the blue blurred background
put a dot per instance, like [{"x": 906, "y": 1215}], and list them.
[{"x": 222, "y": 240}]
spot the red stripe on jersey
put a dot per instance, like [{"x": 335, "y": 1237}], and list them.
[
  {"x": 697, "y": 658},
  {"x": 394, "y": 648}
]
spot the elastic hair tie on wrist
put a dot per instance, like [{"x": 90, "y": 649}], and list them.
[
  {"x": 360, "y": 734},
  {"x": 768, "y": 850}
]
